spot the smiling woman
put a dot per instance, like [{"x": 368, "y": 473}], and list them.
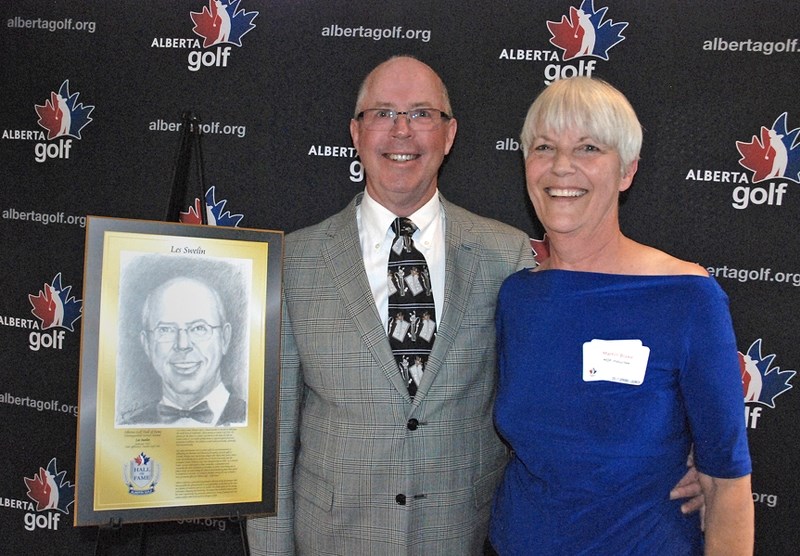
[{"x": 608, "y": 350}]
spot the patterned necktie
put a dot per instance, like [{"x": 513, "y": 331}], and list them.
[
  {"x": 412, "y": 314},
  {"x": 201, "y": 412}
]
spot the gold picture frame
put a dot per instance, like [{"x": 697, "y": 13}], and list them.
[{"x": 174, "y": 312}]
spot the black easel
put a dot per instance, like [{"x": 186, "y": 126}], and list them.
[
  {"x": 112, "y": 531},
  {"x": 242, "y": 521},
  {"x": 190, "y": 145}
]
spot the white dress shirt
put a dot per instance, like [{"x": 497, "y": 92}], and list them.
[{"x": 376, "y": 236}]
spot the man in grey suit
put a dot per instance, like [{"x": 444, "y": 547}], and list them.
[{"x": 366, "y": 468}]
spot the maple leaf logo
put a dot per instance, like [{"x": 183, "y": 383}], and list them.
[
  {"x": 540, "y": 248},
  {"x": 142, "y": 459},
  {"x": 50, "y": 490},
  {"x": 585, "y": 33},
  {"x": 761, "y": 383},
  {"x": 215, "y": 212},
  {"x": 62, "y": 114},
  {"x": 55, "y": 307},
  {"x": 221, "y": 23},
  {"x": 774, "y": 154},
  {"x": 51, "y": 116}
]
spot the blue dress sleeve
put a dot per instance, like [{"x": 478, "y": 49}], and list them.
[{"x": 711, "y": 386}]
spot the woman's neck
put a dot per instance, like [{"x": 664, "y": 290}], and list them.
[{"x": 605, "y": 253}]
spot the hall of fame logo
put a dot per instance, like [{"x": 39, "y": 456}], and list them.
[
  {"x": 215, "y": 212},
  {"x": 141, "y": 475}
]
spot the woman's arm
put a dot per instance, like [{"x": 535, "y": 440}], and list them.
[{"x": 729, "y": 515}]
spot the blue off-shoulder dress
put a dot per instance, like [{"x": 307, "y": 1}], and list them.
[{"x": 594, "y": 461}]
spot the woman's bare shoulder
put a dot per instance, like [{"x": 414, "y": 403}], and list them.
[{"x": 657, "y": 262}]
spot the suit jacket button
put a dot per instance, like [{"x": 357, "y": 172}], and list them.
[
  {"x": 412, "y": 424},
  {"x": 400, "y": 499}
]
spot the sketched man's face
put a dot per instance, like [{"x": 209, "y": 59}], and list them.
[{"x": 186, "y": 339}]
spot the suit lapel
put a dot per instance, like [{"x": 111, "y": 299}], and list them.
[
  {"x": 462, "y": 254},
  {"x": 343, "y": 258}
]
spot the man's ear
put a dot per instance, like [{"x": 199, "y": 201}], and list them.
[
  {"x": 452, "y": 128},
  {"x": 354, "y": 132},
  {"x": 144, "y": 342},
  {"x": 226, "y": 337}
]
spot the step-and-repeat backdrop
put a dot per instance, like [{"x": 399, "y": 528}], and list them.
[{"x": 93, "y": 94}]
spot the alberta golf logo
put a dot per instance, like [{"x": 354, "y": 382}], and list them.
[
  {"x": 540, "y": 249},
  {"x": 761, "y": 381},
  {"x": 51, "y": 495},
  {"x": 581, "y": 37},
  {"x": 63, "y": 118},
  {"x": 216, "y": 214},
  {"x": 585, "y": 36},
  {"x": 217, "y": 28},
  {"x": 769, "y": 162},
  {"x": 57, "y": 310},
  {"x": 773, "y": 157},
  {"x": 219, "y": 25}
]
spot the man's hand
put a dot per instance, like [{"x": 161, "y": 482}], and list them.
[{"x": 689, "y": 487}]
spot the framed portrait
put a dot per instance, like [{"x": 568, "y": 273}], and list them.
[{"x": 180, "y": 364}]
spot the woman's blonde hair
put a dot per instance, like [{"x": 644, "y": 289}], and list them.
[{"x": 590, "y": 105}]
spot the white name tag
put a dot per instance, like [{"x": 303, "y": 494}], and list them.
[{"x": 623, "y": 361}]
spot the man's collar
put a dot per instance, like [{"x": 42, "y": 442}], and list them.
[{"x": 376, "y": 219}]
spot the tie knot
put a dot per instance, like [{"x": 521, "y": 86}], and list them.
[{"x": 403, "y": 227}]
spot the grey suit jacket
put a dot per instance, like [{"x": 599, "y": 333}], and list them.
[{"x": 364, "y": 470}]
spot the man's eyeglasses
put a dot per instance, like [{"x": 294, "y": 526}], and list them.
[
  {"x": 197, "y": 332},
  {"x": 419, "y": 119}
]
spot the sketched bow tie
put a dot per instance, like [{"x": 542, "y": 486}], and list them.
[{"x": 201, "y": 412}]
